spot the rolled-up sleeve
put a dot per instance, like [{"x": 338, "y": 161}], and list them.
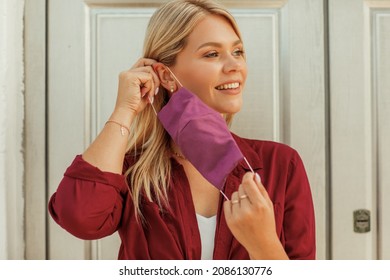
[{"x": 88, "y": 202}]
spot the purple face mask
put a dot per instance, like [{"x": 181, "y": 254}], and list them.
[{"x": 202, "y": 136}]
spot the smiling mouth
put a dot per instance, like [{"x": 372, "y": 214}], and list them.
[{"x": 228, "y": 86}]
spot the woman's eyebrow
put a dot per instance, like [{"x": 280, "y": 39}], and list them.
[{"x": 217, "y": 44}]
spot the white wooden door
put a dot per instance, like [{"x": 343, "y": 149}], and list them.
[
  {"x": 90, "y": 42},
  {"x": 359, "y": 37}
]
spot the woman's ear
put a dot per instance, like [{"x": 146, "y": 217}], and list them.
[{"x": 165, "y": 77}]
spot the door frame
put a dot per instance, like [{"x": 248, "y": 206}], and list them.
[{"x": 35, "y": 216}]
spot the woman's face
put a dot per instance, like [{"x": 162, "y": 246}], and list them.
[{"x": 212, "y": 65}]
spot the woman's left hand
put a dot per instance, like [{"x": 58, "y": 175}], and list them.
[{"x": 250, "y": 217}]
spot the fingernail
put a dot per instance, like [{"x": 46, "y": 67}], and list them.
[
  {"x": 156, "y": 90},
  {"x": 151, "y": 99},
  {"x": 257, "y": 178}
]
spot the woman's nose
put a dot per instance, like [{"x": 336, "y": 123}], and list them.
[{"x": 234, "y": 64}]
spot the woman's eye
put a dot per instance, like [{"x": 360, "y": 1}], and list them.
[
  {"x": 238, "y": 52},
  {"x": 212, "y": 54}
]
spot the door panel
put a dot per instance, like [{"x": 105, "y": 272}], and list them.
[
  {"x": 284, "y": 98},
  {"x": 359, "y": 62}
]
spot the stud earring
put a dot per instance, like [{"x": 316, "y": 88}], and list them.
[{"x": 172, "y": 89}]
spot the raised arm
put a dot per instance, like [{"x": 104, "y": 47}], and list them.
[
  {"x": 136, "y": 89},
  {"x": 88, "y": 201}
]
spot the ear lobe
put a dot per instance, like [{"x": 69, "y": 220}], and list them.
[{"x": 164, "y": 75}]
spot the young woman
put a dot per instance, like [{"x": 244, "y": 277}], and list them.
[{"x": 133, "y": 178}]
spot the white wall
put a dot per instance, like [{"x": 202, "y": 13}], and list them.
[{"x": 11, "y": 129}]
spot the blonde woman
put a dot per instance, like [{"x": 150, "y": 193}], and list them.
[{"x": 133, "y": 178}]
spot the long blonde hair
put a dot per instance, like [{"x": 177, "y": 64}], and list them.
[{"x": 166, "y": 36}]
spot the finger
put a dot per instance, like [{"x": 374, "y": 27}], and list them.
[
  {"x": 227, "y": 208},
  {"x": 234, "y": 200},
  {"x": 138, "y": 79},
  {"x": 243, "y": 196},
  {"x": 144, "y": 62},
  {"x": 260, "y": 185},
  {"x": 145, "y": 82},
  {"x": 254, "y": 177},
  {"x": 147, "y": 88},
  {"x": 149, "y": 69},
  {"x": 251, "y": 188},
  {"x": 235, "y": 204},
  {"x": 156, "y": 81}
]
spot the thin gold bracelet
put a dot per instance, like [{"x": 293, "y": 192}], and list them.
[{"x": 123, "y": 128}]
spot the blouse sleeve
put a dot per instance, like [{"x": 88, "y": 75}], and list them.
[
  {"x": 88, "y": 202},
  {"x": 299, "y": 220}
]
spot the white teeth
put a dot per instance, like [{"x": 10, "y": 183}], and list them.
[{"x": 228, "y": 86}]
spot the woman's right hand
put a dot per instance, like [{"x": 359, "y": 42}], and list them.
[{"x": 137, "y": 87}]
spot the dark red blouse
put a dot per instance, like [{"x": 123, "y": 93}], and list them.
[{"x": 91, "y": 204}]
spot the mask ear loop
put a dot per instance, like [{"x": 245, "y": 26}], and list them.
[
  {"x": 154, "y": 109},
  {"x": 174, "y": 76},
  {"x": 250, "y": 167}
]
